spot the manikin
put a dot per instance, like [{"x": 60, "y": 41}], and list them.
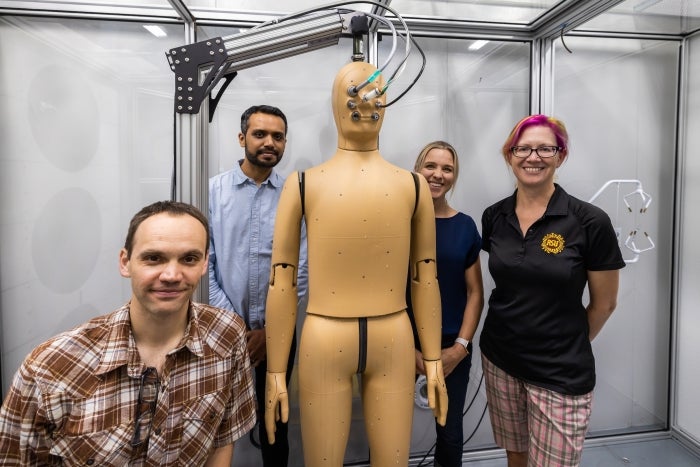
[{"x": 367, "y": 220}]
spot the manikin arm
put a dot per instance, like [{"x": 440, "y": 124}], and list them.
[
  {"x": 283, "y": 298},
  {"x": 281, "y": 308},
  {"x": 423, "y": 299},
  {"x": 425, "y": 296}
]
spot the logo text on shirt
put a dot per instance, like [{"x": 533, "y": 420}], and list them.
[{"x": 553, "y": 243}]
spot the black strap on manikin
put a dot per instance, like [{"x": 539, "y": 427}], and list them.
[
  {"x": 417, "y": 185},
  {"x": 362, "y": 347},
  {"x": 301, "y": 191}
]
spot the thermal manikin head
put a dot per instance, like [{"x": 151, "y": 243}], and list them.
[{"x": 358, "y": 120}]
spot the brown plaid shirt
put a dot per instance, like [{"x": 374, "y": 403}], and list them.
[{"x": 73, "y": 400}]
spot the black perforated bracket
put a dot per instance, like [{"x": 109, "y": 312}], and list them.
[{"x": 197, "y": 68}]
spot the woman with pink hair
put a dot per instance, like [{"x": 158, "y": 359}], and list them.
[{"x": 545, "y": 247}]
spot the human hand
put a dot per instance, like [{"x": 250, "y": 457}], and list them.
[
  {"x": 256, "y": 346},
  {"x": 451, "y": 357},
  {"x": 276, "y": 403},
  {"x": 420, "y": 368},
  {"x": 437, "y": 391}
]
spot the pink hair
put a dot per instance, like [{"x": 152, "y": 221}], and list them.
[{"x": 554, "y": 124}]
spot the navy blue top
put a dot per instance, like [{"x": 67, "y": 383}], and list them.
[
  {"x": 457, "y": 248},
  {"x": 536, "y": 328},
  {"x": 458, "y": 244}
]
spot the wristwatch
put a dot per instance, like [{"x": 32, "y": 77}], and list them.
[{"x": 463, "y": 342}]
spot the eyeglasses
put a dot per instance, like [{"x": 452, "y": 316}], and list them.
[
  {"x": 543, "y": 152},
  {"x": 146, "y": 405}
]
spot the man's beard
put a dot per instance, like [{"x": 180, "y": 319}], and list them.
[{"x": 253, "y": 158}]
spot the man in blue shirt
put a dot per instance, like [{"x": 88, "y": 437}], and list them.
[{"x": 242, "y": 209}]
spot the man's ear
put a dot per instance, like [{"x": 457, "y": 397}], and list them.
[
  {"x": 206, "y": 265},
  {"x": 124, "y": 263},
  {"x": 241, "y": 139}
]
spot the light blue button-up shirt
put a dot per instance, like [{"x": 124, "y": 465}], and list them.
[{"x": 242, "y": 220}]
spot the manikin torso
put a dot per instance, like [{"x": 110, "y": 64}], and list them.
[{"x": 358, "y": 210}]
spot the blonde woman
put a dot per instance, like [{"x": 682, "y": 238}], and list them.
[{"x": 461, "y": 293}]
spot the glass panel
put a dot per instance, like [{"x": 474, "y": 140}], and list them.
[
  {"x": 500, "y": 11},
  {"x": 469, "y": 98},
  {"x": 457, "y": 88},
  {"x": 87, "y": 134},
  {"x": 300, "y": 86},
  {"x": 649, "y": 16},
  {"x": 267, "y": 6},
  {"x": 617, "y": 98},
  {"x": 87, "y": 3},
  {"x": 687, "y": 409}
]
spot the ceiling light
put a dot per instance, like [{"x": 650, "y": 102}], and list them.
[
  {"x": 476, "y": 45},
  {"x": 155, "y": 30}
]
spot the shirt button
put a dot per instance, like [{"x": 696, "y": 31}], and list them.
[
  {"x": 157, "y": 432},
  {"x": 90, "y": 461}
]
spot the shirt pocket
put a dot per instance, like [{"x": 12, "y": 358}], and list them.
[
  {"x": 109, "y": 447},
  {"x": 201, "y": 419}
]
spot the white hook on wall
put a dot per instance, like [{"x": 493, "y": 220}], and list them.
[{"x": 645, "y": 201}]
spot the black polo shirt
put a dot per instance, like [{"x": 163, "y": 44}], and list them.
[{"x": 536, "y": 328}]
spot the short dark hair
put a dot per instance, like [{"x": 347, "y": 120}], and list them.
[
  {"x": 263, "y": 109},
  {"x": 175, "y": 208}
]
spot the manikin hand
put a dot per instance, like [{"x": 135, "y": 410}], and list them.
[
  {"x": 276, "y": 402},
  {"x": 437, "y": 391}
]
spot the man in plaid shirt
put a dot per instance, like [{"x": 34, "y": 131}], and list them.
[{"x": 160, "y": 381}]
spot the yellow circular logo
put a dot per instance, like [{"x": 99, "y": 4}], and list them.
[{"x": 553, "y": 243}]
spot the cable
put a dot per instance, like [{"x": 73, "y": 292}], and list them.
[
  {"x": 420, "y": 72},
  {"x": 481, "y": 380},
  {"x": 483, "y": 413},
  {"x": 391, "y": 55},
  {"x": 371, "y": 95},
  {"x": 251, "y": 436},
  {"x": 420, "y": 464},
  {"x": 371, "y": 78},
  {"x": 561, "y": 36}
]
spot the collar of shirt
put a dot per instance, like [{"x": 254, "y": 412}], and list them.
[
  {"x": 240, "y": 178},
  {"x": 120, "y": 346},
  {"x": 558, "y": 204}
]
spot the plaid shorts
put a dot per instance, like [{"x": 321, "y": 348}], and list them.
[{"x": 548, "y": 425}]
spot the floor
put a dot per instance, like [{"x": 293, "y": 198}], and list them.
[{"x": 654, "y": 453}]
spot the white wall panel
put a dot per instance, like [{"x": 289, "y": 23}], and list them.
[
  {"x": 86, "y": 131},
  {"x": 618, "y": 99},
  {"x": 470, "y": 99},
  {"x": 687, "y": 374}
]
